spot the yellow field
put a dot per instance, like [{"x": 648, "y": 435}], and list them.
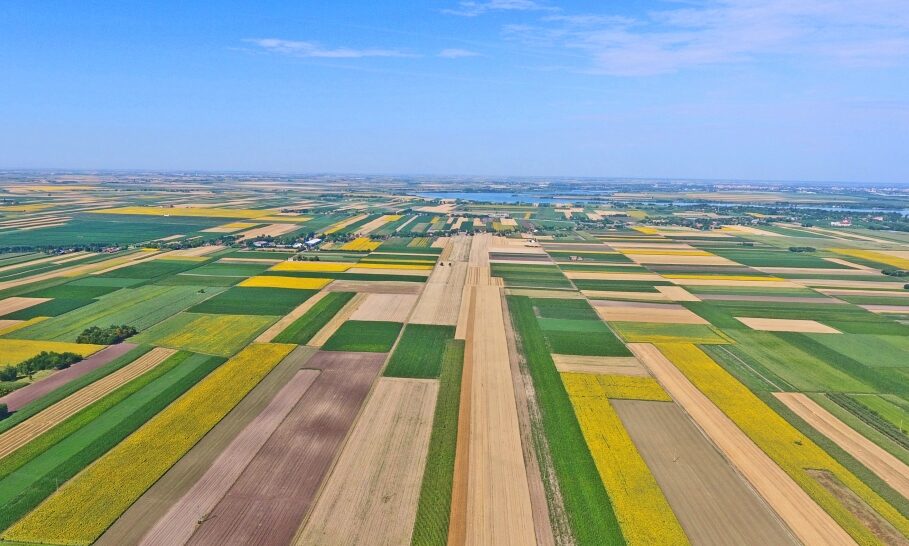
[
  {"x": 646, "y": 230},
  {"x": 344, "y": 223},
  {"x": 285, "y": 282},
  {"x": 33, "y": 207},
  {"x": 14, "y": 351},
  {"x": 392, "y": 266},
  {"x": 21, "y": 324},
  {"x": 312, "y": 266},
  {"x": 188, "y": 211},
  {"x": 86, "y": 505},
  {"x": 630, "y": 387},
  {"x": 879, "y": 257},
  {"x": 788, "y": 447},
  {"x": 362, "y": 244},
  {"x": 644, "y": 515},
  {"x": 725, "y": 277}
]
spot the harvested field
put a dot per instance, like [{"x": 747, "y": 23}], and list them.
[
  {"x": 613, "y": 365},
  {"x": 336, "y": 321},
  {"x": 19, "y": 435},
  {"x": 787, "y": 325},
  {"x": 371, "y": 495},
  {"x": 677, "y": 293},
  {"x": 713, "y": 503},
  {"x": 11, "y": 305},
  {"x": 621, "y": 295},
  {"x": 385, "y": 307},
  {"x": 768, "y": 299},
  {"x": 890, "y": 469},
  {"x": 375, "y": 287},
  {"x": 440, "y": 301},
  {"x": 679, "y": 259},
  {"x": 810, "y": 523},
  {"x": 272, "y": 332},
  {"x": 764, "y": 284},
  {"x": 263, "y": 506},
  {"x": 178, "y": 525},
  {"x": 646, "y": 312},
  {"x": 270, "y": 230},
  {"x": 498, "y": 498},
  {"x": 33, "y": 391}
]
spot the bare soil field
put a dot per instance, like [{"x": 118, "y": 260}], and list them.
[
  {"x": 178, "y": 525},
  {"x": 677, "y": 293},
  {"x": 388, "y": 307},
  {"x": 11, "y": 305},
  {"x": 712, "y": 502},
  {"x": 272, "y": 332},
  {"x": 340, "y": 318},
  {"x": 22, "y": 433},
  {"x": 646, "y": 312},
  {"x": 375, "y": 287},
  {"x": 808, "y": 521},
  {"x": 269, "y": 500},
  {"x": 770, "y": 299},
  {"x": 32, "y": 392},
  {"x": 173, "y": 485},
  {"x": 440, "y": 301},
  {"x": 886, "y": 466},
  {"x": 787, "y": 325},
  {"x": 371, "y": 495},
  {"x": 611, "y": 365},
  {"x": 270, "y": 230}
]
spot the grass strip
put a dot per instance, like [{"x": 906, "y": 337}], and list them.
[
  {"x": 434, "y": 508},
  {"x": 587, "y": 504},
  {"x": 420, "y": 352},
  {"x": 305, "y": 327}
]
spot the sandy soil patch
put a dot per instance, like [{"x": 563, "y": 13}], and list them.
[
  {"x": 178, "y": 525},
  {"x": 272, "y": 332},
  {"x": 16, "y": 303},
  {"x": 647, "y": 312},
  {"x": 440, "y": 301},
  {"x": 387, "y": 307},
  {"x": 714, "y": 505},
  {"x": 890, "y": 469},
  {"x": 787, "y": 325},
  {"x": 229, "y": 228},
  {"x": 24, "y": 432},
  {"x": 371, "y": 495},
  {"x": 677, "y": 293},
  {"x": 340, "y": 318},
  {"x": 270, "y": 230},
  {"x": 808, "y": 521},
  {"x": 4, "y": 324},
  {"x": 814, "y": 271},
  {"x": 609, "y": 365},
  {"x": 498, "y": 497},
  {"x": 375, "y": 287}
]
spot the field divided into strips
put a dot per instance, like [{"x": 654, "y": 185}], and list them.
[
  {"x": 33, "y": 472},
  {"x": 302, "y": 330},
  {"x": 87, "y": 505}
]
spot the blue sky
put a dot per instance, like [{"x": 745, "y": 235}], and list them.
[{"x": 744, "y": 89}]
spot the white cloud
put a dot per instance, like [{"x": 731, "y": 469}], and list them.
[
  {"x": 712, "y": 32},
  {"x": 472, "y": 9},
  {"x": 454, "y": 53},
  {"x": 311, "y": 49}
]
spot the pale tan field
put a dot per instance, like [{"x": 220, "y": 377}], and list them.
[
  {"x": 811, "y": 271},
  {"x": 787, "y": 325},
  {"x": 7, "y": 323},
  {"x": 198, "y": 251},
  {"x": 611, "y": 276},
  {"x": 859, "y": 292},
  {"x": 749, "y": 230},
  {"x": 373, "y": 225},
  {"x": 769, "y": 285},
  {"x": 272, "y": 332},
  {"x": 51, "y": 259},
  {"x": 498, "y": 497},
  {"x": 371, "y": 495},
  {"x": 658, "y": 246},
  {"x": 270, "y": 230},
  {"x": 278, "y": 258},
  {"x": 441, "y": 209},
  {"x": 665, "y": 313},
  {"x": 890, "y": 469},
  {"x": 441, "y": 242},
  {"x": 669, "y": 259},
  {"x": 543, "y": 293},
  {"x": 677, "y": 293},
  {"x": 386, "y": 307},
  {"x": 137, "y": 258},
  {"x": 610, "y": 365},
  {"x": 618, "y": 295},
  {"x": 15, "y": 303},
  {"x": 229, "y": 228},
  {"x": 342, "y": 316},
  {"x": 860, "y": 285},
  {"x": 808, "y": 521},
  {"x": 375, "y": 287},
  {"x": 43, "y": 421},
  {"x": 179, "y": 523},
  {"x": 901, "y": 309},
  {"x": 440, "y": 301}
]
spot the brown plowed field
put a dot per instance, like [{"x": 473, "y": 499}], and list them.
[
  {"x": 372, "y": 493},
  {"x": 713, "y": 503},
  {"x": 180, "y": 522},
  {"x": 24, "y": 432},
  {"x": 808, "y": 521},
  {"x": 271, "y": 497},
  {"x": 157, "y": 501},
  {"x": 886, "y": 466}
]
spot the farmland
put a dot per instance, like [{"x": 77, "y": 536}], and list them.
[{"x": 356, "y": 364}]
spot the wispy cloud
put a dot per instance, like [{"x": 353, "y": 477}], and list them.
[
  {"x": 454, "y": 53},
  {"x": 713, "y": 32},
  {"x": 312, "y": 49},
  {"x": 472, "y": 9}
]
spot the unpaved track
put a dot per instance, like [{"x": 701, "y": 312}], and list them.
[
  {"x": 272, "y": 332},
  {"x": 20, "y": 397},
  {"x": 43, "y": 421},
  {"x": 886, "y": 466},
  {"x": 155, "y": 503},
  {"x": 372, "y": 493},
  {"x": 277, "y": 489},
  {"x": 713, "y": 503},
  {"x": 180, "y": 522},
  {"x": 808, "y": 521}
]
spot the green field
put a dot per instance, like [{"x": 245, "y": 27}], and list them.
[
  {"x": 220, "y": 335},
  {"x": 304, "y": 328},
  {"x": 241, "y": 300},
  {"x": 420, "y": 352},
  {"x": 364, "y": 336}
]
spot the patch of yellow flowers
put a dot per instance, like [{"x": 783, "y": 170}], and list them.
[
  {"x": 789, "y": 448},
  {"x": 644, "y": 514},
  {"x": 361, "y": 244},
  {"x": 88, "y": 504},
  {"x": 300, "y": 283}
]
